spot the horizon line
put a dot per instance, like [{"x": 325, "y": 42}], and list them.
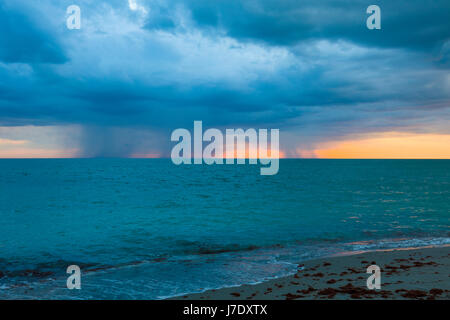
[{"x": 168, "y": 158}]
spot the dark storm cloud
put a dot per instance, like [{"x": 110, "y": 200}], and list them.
[
  {"x": 415, "y": 24},
  {"x": 310, "y": 68},
  {"x": 24, "y": 40}
]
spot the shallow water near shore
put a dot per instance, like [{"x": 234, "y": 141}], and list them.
[{"x": 147, "y": 229}]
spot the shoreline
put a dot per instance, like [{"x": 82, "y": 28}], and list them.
[{"x": 406, "y": 273}]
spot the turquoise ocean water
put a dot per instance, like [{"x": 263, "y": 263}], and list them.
[{"x": 147, "y": 229}]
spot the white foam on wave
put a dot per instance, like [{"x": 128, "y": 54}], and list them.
[{"x": 399, "y": 243}]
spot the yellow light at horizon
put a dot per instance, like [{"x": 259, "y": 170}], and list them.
[
  {"x": 12, "y": 142},
  {"x": 391, "y": 145},
  {"x": 271, "y": 154},
  {"x": 23, "y": 153}
]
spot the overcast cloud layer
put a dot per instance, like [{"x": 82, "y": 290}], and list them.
[{"x": 139, "y": 69}]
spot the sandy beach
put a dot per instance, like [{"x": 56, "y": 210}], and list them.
[{"x": 405, "y": 274}]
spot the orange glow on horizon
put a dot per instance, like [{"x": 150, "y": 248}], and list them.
[
  {"x": 391, "y": 145},
  {"x": 12, "y": 142},
  {"x": 24, "y": 153},
  {"x": 281, "y": 155}
]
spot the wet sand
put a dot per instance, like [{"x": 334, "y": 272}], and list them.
[{"x": 405, "y": 274}]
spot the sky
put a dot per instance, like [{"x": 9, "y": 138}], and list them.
[{"x": 138, "y": 69}]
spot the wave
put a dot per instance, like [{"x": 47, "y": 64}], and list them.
[{"x": 234, "y": 266}]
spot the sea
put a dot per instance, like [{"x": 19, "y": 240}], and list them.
[{"x": 148, "y": 229}]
